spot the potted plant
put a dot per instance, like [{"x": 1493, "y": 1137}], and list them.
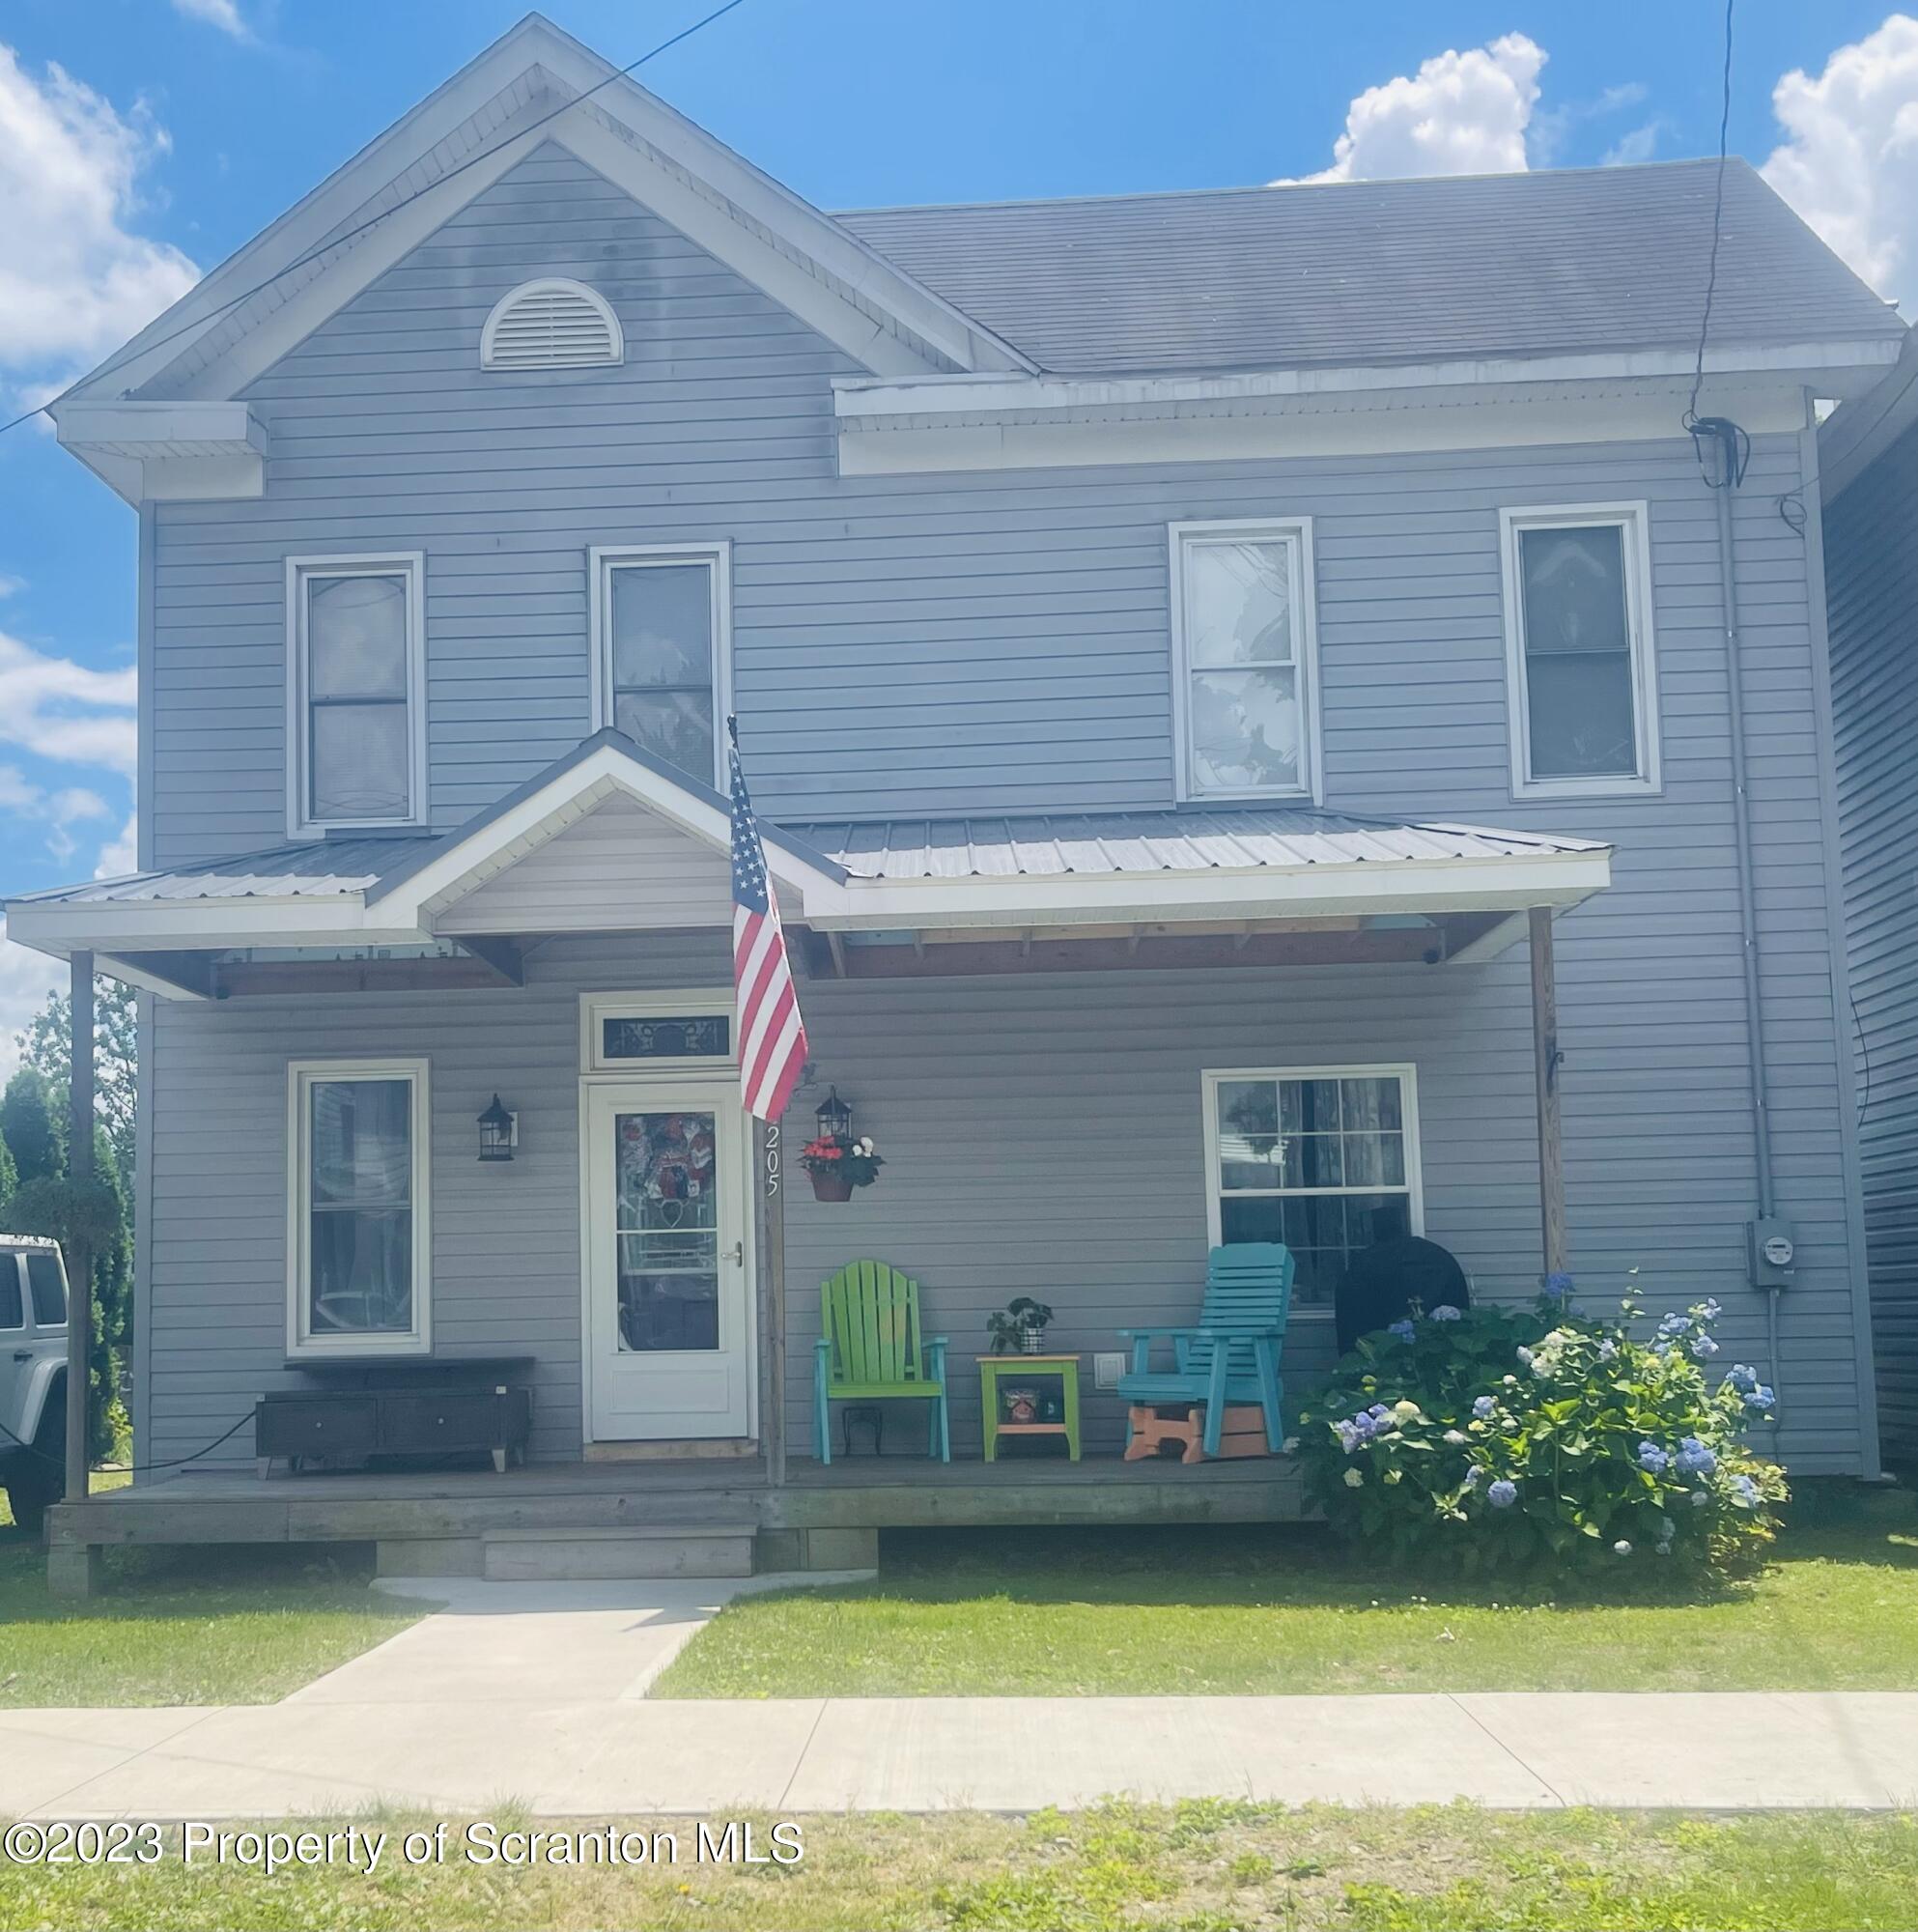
[
  {"x": 838, "y": 1163},
  {"x": 1019, "y": 1328}
]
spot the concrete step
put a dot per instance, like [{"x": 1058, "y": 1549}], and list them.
[{"x": 667, "y": 1550}]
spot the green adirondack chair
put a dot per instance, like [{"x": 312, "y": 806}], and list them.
[{"x": 870, "y": 1350}]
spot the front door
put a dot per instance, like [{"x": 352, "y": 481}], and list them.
[{"x": 670, "y": 1341}]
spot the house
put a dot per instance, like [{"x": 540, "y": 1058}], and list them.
[
  {"x": 1241, "y": 692},
  {"x": 1869, "y": 459}
]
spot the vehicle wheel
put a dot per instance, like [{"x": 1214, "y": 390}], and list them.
[{"x": 37, "y": 1480}]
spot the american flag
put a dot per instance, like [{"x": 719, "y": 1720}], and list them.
[{"x": 772, "y": 1048}]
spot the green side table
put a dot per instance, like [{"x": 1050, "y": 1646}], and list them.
[{"x": 1012, "y": 1370}]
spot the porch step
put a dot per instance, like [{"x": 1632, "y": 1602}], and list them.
[{"x": 560, "y": 1556}]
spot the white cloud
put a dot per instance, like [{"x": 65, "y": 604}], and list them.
[
  {"x": 1640, "y": 145},
  {"x": 1461, "y": 114},
  {"x": 1849, "y": 165},
  {"x": 58, "y": 811},
  {"x": 64, "y": 710},
  {"x": 221, "y": 14},
  {"x": 121, "y": 855},
  {"x": 26, "y": 978},
  {"x": 10, "y": 586},
  {"x": 74, "y": 281}
]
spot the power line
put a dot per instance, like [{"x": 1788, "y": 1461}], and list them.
[
  {"x": 1717, "y": 221},
  {"x": 327, "y": 246}
]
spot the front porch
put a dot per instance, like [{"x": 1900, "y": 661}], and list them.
[
  {"x": 1085, "y": 1045},
  {"x": 820, "y": 1517}
]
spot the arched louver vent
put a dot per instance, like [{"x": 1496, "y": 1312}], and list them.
[{"x": 550, "y": 325}]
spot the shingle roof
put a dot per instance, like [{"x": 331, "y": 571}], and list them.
[
  {"x": 1553, "y": 263},
  {"x": 1193, "y": 840},
  {"x": 1187, "y": 840}
]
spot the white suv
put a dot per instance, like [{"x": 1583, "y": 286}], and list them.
[{"x": 32, "y": 1375}]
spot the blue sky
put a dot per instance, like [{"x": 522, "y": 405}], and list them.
[{"x": 141, "y": 141}]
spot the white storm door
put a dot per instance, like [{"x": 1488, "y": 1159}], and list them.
[{"x": 670, "y": 1328}]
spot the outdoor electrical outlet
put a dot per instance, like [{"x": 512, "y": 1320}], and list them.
[{"x": 1107, "y": 1369}]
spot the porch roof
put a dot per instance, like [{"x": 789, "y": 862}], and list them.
[{"x": 1241, "y": 867}]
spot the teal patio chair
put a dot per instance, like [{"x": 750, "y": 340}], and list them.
[
  {"x": 1232, "y": 1354},
  {"x": 869, "y": 1350}
]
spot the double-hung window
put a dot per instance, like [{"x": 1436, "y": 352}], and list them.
[
  {"x": 661, "y": 618},
  {"x": 1323, "y": 1158},
  {"x": 1244, "y": 702},
  {"x": 1579, "y": 658},
  {"x": 356, "y": 718},
  {"x": 359, "y": 1237}
]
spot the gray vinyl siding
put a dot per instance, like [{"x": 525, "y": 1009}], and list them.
[
  {"x": 985, "y": 642},
  {"x": 1872, "y": 575}
]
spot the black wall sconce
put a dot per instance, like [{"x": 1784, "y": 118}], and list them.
[
  {"x": 835, "y": 1118},
  {"x": 498, "y": 1132}
]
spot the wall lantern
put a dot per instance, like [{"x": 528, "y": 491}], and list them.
[
  {"x": 835, "y": 1118},
  {"x": 498, "y": 1132}
]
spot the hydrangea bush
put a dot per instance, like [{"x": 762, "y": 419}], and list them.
[{"x": 1540, "y": 1440}]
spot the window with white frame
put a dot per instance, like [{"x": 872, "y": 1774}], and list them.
[
  {"x": 359, "y": 1238},
  {"x": 1323, "y": 1158},
  {"x": 662, "y": 623},
  {"x": 1244, "y": 700},
  {"x": 1580, "y": 662},
  {"x": 357, "y": 723}
]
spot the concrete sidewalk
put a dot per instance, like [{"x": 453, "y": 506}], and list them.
[{"x": 533, "y": 1694}]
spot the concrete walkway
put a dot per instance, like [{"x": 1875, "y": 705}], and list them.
[{"x": 534, "y": 1695}]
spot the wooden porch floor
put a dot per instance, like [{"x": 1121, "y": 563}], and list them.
[{"x": 862, "y": 1492}]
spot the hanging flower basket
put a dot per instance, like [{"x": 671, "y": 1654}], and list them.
[{"x": 838, "y": 1164}]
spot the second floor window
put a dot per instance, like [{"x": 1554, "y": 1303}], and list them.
[
  {"x": 358, "y": 713},
  {"x": 1579, "y": 653},
  {"x": 661, "y": 650},
  {"x": 1242, "y": 648}
]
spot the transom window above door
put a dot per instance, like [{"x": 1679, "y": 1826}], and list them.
[
  {"x": 1244, "y": 697},
  {"x": 1324, "y": 1160},
  {"x": 662, "y": 624},
  {"x": 356, "y": 692}
]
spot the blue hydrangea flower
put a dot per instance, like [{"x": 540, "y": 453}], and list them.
[
  {"x": 1745, "y": 1492},
  {"x": 1694, "y": 1458},
  {"x": 1402, "y": 1329},
  {"x": 1742, "y": 1376},
  {"x": 1472, "y": 1476},
  {"x": 1710, "y": 1308},
  {"x": 1608, "y": 1350},
  {"x": 1503, "y": 1493},
  {"x": 1525, "y": 1357},
  {"x": 1652, "y": 1457},
  {"x": 1558, "y": 1283},
  {"x": 1699, "y": 1499},
  {"x": 1348, "y": 1436},
  {"x": 1483, "y": 1407},
  {"x": 1445, "y": 1311},
  {"x": 1674, "y": 1324},
  {"x": 1760, "y": 1400},
  {"x": 1703, "y": 1346}
]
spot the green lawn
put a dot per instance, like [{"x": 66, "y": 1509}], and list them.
[
  {"x": 1211, "y": 1612},
  {"x": 1204, "y": 1867},
  {"x": 224, "y": 1626}
]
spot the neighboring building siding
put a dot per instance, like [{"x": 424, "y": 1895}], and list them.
[
  {"x": 1872, "y": 574},
  {"x": 984, "y": 643}
]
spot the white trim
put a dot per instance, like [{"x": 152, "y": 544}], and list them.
[
  {"x": 1406, "y": 1072},
  {"x": 976, "y": 393},
  {"x": 411, "y": 564},
  {"x": 1633, "y": 521},
  {"x": 552, "y": 285},
  {"x": 601, "y": 560},
  {"x": 596, "y": 1007},
  {"x": 301, "y": 1076},
  {"x": 1295, "y": 533},
  {"x": 169, "y": 452}
]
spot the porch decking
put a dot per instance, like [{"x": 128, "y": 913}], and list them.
[{"x": 821, "y": 1517}]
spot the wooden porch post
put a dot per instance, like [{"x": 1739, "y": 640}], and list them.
[
  {"x": 1546, "y": 1059},
  {"x": 770, "y": 1176},
  {"x": 80, "y": 1173}
]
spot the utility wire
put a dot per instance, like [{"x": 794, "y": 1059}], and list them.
[
  {"x": 327, "y": 247},
  {"x": 1717, "y": 222}
]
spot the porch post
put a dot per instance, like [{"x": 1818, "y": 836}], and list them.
[
  {"x": 1545, "y": 1060},
  {"x": 769, "y": 1175},
  {"x": 80, "y": 1173}
]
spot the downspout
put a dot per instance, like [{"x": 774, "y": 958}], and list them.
[{"x": 1723, "y": 472}]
